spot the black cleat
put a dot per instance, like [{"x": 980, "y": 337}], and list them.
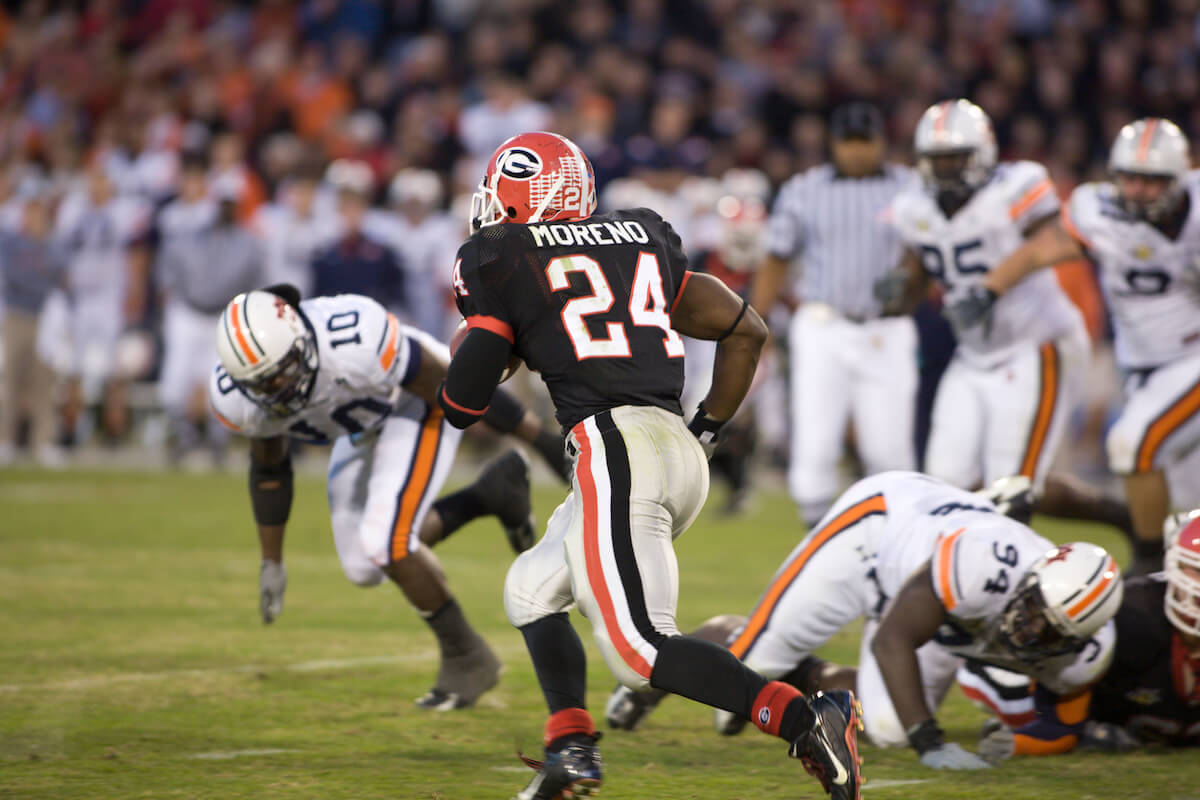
[
  {"x": 504, "y": 487},
  {"x": 626, "y": 708},
  {"x": 829, "y": 751},
  {"x": 462, "y": 680},
  {"x": 568, "y": 773}
]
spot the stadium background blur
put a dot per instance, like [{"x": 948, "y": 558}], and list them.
[{"x": 666, "y": 97}]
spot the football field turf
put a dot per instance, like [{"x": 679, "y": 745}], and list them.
[{"x": 134, "y": 664}]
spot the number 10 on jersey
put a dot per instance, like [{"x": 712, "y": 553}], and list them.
[{"x": 647, "y": 306}]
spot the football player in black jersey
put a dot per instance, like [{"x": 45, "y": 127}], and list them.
[
  {"x": 1152, "y": 690},
  {"x": 596, "y": 303}
]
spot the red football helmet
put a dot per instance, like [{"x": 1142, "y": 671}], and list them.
[{"x": 535, "y": 177}]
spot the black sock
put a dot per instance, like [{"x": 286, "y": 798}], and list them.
[
  {"x": 710, "y": 674},
  {"x": 458, "y": 509},
  {"x": 559, "y": 661},
  {"x": 454, "y": 634}
]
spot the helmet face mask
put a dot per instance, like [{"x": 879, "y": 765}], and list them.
[
  {"x": 1182, "y": 566},
  {"x": 1026, "y": 628},
  {"x": 283, "y": 389},
  {"x": 269, "y": 352},
  {"x": 1147, "y": 161},
  {"x": 955, "y": 147}
]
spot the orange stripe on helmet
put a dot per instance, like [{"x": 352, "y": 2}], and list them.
[
  {"x": 241, "y": 337},
  {"x": 939, "y": 122},
  {"x": 1143, "y": 149},
  {"x": 1109, "y": 575}
]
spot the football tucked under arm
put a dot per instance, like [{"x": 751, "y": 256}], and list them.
[{"x": 478, "y": 364}]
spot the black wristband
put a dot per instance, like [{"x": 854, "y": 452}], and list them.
[
  {"x": 733, "y": 327},
  {"x": 926, "y": 736},
  {"x": 704, "y": 427}
]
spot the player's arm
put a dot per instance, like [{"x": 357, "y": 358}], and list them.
[
  {"x": 912, "y": 621},
  {"x": 708, "y": 309},
  {"x": 1046, "y": 243},
  {"x": 901, "y": 290},
  {"x": 271, "y": 497}
]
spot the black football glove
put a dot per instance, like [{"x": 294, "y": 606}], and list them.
[
  {"x": 890, "y": 288},
  {"x": 973, "y": 309},
  {"x": 707, "y": 429}
]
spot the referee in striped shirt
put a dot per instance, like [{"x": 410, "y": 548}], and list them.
[{"x": 828, "y": 239}]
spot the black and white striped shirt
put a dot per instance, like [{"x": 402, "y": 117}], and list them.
[{"x": 836, "y": 229}]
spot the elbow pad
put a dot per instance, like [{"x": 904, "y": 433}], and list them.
[{"x": 271, "y": 491}]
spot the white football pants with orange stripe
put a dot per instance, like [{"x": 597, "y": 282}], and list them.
[
  {"x": 382, "y": 486},
  {"x": 844, "y": 372},
  {"x": 1008, "y": 419},
  {"x": 1161, "y": 419},
  {"x": 640, "y": 479},
  {"x": 826, "y": 583}
]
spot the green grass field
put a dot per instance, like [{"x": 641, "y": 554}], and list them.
[{"x": 134, "y": 664}]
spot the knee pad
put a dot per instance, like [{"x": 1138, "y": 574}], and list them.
[
  {"x": 884, "y": 729},
  {"x": 363, "y": 574},
  {"x": 1121, "y": 446}
]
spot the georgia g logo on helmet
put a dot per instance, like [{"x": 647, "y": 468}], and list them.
[{"x": 519, "y": 163}]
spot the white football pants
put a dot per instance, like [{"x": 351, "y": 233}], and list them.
[
  {"x": 382, "y": 485},
  {"x": 640, "y": 479},
  {"x": 1007, "y": 419},
  {"x": 1160, "y": 423},
  {"x": 189, "y": 351}
]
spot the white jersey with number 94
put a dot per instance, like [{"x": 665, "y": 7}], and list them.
[{"x": 364, "y": 354}]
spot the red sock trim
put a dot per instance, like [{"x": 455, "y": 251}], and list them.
[
  {"x": 770, "y": 704},
  {"x": 566, "y": 722}
]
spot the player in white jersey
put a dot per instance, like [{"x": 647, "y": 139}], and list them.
[
  {"x": 1002, "y": 405},
  {"x": 1142, "y": 228},
  {"x": 342, "y": 370},
  {"x": 936, "y": 569}
]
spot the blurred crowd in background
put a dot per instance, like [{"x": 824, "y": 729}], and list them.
[{"x": 157, "y": 156}]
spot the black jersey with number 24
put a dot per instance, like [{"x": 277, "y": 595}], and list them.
[{"x": 587, "y": 304}]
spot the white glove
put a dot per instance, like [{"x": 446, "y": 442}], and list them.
[
  {"x": 996, "y": 742},
  {"x": 272, "y": 580},
  {"x": 951, "y": 756}
]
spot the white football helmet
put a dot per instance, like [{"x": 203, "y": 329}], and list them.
[
  {"x": 268, "y": 350},
  {"x": 1066, "y": 596},
  {"x": 1182, "y": 565},
  {"x": 955, "y": 127},
  {"x": 1154, "y": 147}
]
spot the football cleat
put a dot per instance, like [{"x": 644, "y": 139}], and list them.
[
  {"x": 573, "y": 771},
  {"x": 504, "y": 488},
  {"x": 829, "y": 751},
  {"x": 626, "y": 708},
  {"x": 462, "y": 680}
]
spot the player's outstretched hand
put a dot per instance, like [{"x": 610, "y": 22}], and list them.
[
  {"x": 272, "y": 580},
  {"x": 973, "y": 309},
  {"x": 996, "y": 741},
  {"x": 890, "y": 288},
  {"x": 951, "y": 756}
]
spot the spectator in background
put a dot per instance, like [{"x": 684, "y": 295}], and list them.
[
  {"x": 294, "y": 229},
  {"x": 192, "y": 209},
  {"x": 359, "y": 261},
  {"x": 198, "y": 272},
  {"x": 426, "y": 238},
  {"x": 30, "y": 267},
  {"x": 104, "y": 237}
]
